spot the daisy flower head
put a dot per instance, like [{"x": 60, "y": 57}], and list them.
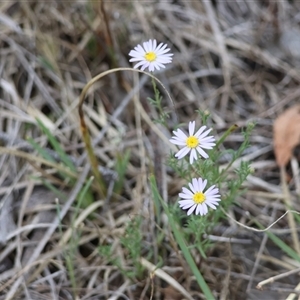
[
  {"x": 193, "y": 143},
  {"x": 195, "y": 199},
  {"x": 151, "y": 56}
]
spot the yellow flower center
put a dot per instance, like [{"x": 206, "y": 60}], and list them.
[
  {"x": 150, "y": 56},
  {"x": 192, "y": 142},
  {"x": 199, "y": 198}
]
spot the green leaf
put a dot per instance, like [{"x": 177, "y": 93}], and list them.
[{"x": 55, "y": 144}]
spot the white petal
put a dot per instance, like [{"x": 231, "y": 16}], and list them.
[
  {"x": 136, "y": 59},
  {"x": 185, "y": 196},
  {"x": 150, "y": 46},
  {"x": 203, "y": 185},
  {"x": 151, "y": 67},
  {"x": 191, "y": 128},
  {"x": 208, "y": 139},
  {"x": 140, "y": 50},
  {"x": 210, "y": 189},
  {"x": 191, "y": 209},
  {"x": 186, "y": 203},
  {"x": 200, "y": 131},
  {"x": 204, "y": 209},
  {"x": 161, "y": 48},
  {"x": 158, "y": 65},
  {"x": 154, "y": 44},
  {"x": 205, "y": 146},
  {"x": 146, "y": 65},
  {"x": 187, "y": 191},
  {"x": 163, "y": 52},
  {"x": 211, "y": 205},
  {"x": 187, "y": 206},
  {"x": 135, "y": 55},
  {"x": 141, "y": 63},
  {"x": 177, "y": 138},
  {"x": 163, "y": 59},
  {"x": 201, "y": 152},
  {"x": 195, "y": 185},
  {"x": 176, "y": 142},
  {"x": 213, "y": 200},
  {"x": 198, "y": 184},
  {"x": 198, "y": 209},
  {"x": 204, "y": 134},
  {"x": 179, "y": 133},
  {"x": 193, "y": 156},
  {"x": 182, "y": 153},
  {"x": 146, "y": 46}
]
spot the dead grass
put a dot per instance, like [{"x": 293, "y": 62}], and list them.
[{"x": 237, "y": 59}]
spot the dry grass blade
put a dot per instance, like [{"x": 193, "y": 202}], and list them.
[
  {"x": 11, "y": 293},
  {"x": 223, "y": 52},
  {"x": 163, "y": 275},
  {"x": 237, "y": 60}
]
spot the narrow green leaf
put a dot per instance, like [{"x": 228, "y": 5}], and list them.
[
  {"x": 40, "y": 150},
  {"x": 55, "y": 144},
  {"x": 283, "y": 246},
  {"x": 121, "y": 167}
]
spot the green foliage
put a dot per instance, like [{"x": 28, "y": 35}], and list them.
[
  {"x": 46, "y": 63},
  {"x": 121, "y": 167},
  {"x": 106, "y": 252},
  {"x": 55, "y": 144},
  {"x": 179, "y": 236},
  {"x": 53, "y": 188},
  {"x": 132, "y": 242},
  {"x": 157, "y": 103},
  {"x": 204, "y": 116},
  {"x": 179, "y": 166},
  {"x": 191, "y": 231},
  {"x": 282, "y": 245},
  {"x": 71, "y": 253},
  {"x": 85, "y": 197}
]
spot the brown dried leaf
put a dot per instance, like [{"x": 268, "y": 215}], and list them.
[
  {"x": 286, "y": 134},
  {"x": 171, "y": 294}
]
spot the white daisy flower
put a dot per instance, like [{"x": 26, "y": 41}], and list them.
[
  {"x": 151, "y": 56},
  {"x": 197, "y": 200},
  {"x": 193, "y": 143}
]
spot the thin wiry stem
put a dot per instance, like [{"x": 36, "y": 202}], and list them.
[{"x": 84, "y": 129}]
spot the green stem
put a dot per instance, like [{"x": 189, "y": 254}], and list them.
[{"x": 231, "y": 129}]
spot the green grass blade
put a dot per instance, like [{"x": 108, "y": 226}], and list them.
[
  {"x": 40, "y": 150},
  {"x": 231, "y": 129},
  {"x": 84, "y": 198},
  {"x": 52, "y": 188},
  {"x": 55, "y": 144},
  {"x": 121, "y": 167},
  {"x": 283, "y": 246}
]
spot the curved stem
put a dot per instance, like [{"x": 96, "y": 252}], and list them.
[{"x": 84, "y": 129}]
